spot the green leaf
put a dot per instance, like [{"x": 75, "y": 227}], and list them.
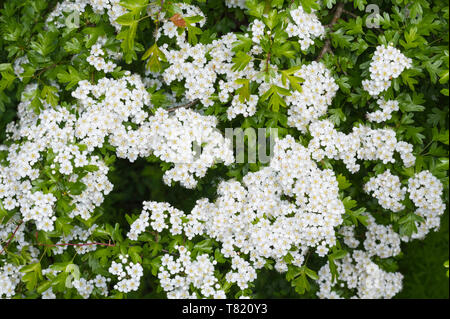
[
  {"x": 240, "y": 61},
  {"x": 287, "y": 75},
  {"x": 414, "y": 134},
  {"x": 72, "y": 77},
  {"x": 407, "y": 78},
  {"x": 46, "y": 43},
  {"x": 44, "y": 286},
  {"x": 442, "y": 136},
  {"x": 154, "y": 56},
  {"x": 343, "y": 182},
  {"x": 31, "y": 268},
  {"x": 360, "y": 4},
  {"x": 408, "y": 224},
  {"x": 338, "y": 254},
  {"x": 337, "y": 116},
  {"x": 359, "y": 46},
  {"x": 311, "y": 273},
  {"x": 94, "y": 33},
  {"x": 340, "y": 39},
  {"x": 205, "y": 246},
  {"x": 6, "y": 67},
  {"x": 412, "y": 39},
  {"x": 218, "y": 256},
  {"x": 309, "y": 5},
  {"x": 134, "y": 252},
  {"x": 244, "y": 90},
  {"x": 126, "y": 19},
  {"x": 63, "y": 225},
  {"x": 255, "y": 8},
  {"x": 275, "y": 100},
  {"x": 76, "y": 188},
  {"x": 127, "y": 34},
  {"x": 193, "y": 32},
  {"x": 193, "y": 19},
  {"x": 343, "y": 84},
  {"x": 433, "y": 69},
  {"x": 406, "y": 104},
  {"x": 73, "y": 46},
  {"x": 48, "y": 93},
  {"x": 271, "y": 20},
  {"x": 301, "y": 284},
  {"x": 243, "y": 44},
  {"x": 7, "y": 80},
  {"x": 333, "y": 269},
  {"x": 134, "y": 5},
  {"x": 443, "y": 77},
  {"x": 33, "y": 273}
]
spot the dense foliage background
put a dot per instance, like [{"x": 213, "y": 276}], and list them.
[{"x": 419, "y": 29}]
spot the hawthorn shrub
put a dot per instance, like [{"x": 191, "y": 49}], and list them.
[{"x": 128, "y": 163}]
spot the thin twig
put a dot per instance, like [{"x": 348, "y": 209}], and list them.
[
  {"x": 327, "y": 46},
  {"x": 337, "y": 60},
  {"x": 350, "y": 14},
  {"x": 12, "y": 236},
  {"x": 155, "y": 33},
  {"x": 187, "y": 105},
  {"x": 45, "y": 69},
  {"x": 78, "y": 245}
]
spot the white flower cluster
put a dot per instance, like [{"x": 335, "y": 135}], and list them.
[
  {"x": 177, "y": 275},
  {"x": 283, "y": 210},
  {"x": 306, "y": 26},
  {"x": 387, "y": 189},
  {"x": 362, "y": 143},
  {"x": 200, "y": 74},
  {"x": 16, "y": 228},
  {"x": 190, "y": 141},
  {"x": 10, "y": 276},
  {"x": 235, "y": 4},
  {"x": 387, "y": 107},
  {"x": 258, "y": 30},
  {"x": 40, "y": 210},
  {"x": 358, "y": 272},
  {"x": 86, "y": 287},
  {"x": 18, "y": 66},
  {"x": 56, "y": 131},
  {"x": 65, "y": 10},
  {"x": 387, "y": 64},
  {"x": 254, "y": 219},
  {"x": 97, "y": 60},
  {"x": 187, "y": 139},
  {"x": 50, "y": 273},
  {"x": 318, "y": 90},
  {"x": 168, "y": 26},
  {"x": 8, "y": 228},
  {"x": 105, "y": 106},
  {"x": 78, "y": 236},
  {"x": 246, "y": 108},
  {"x": 52, "y": 131},
  {"x": 425, "y": 191},
  {"x": 242, "y": 272},
  {"x": 157, "y": 213},
  {"x": 348, "y": 232},
  {"x": 381, "y": 240},
  {"x": 130, "y": 277},
  {"x": 48, "y": 294},
  {"x": 189, "y": 63},
  {"x": 406, "y": 153}
]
